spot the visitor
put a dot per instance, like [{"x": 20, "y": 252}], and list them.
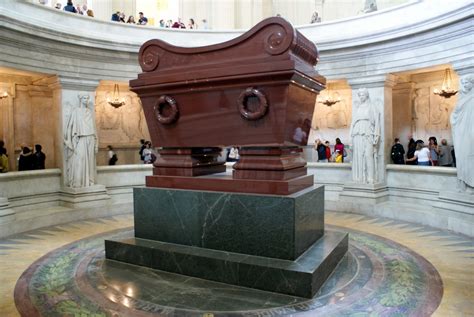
[
  {"x": 328, "y": 150},
  {"x": 162, "y": 23},
  {"x": 116, "y": 16},
  {"x": 411, "y": 152},
  {"x": 398, "y": 152},
  {"x": 58, "y": 6},
  {"x": 204, "y": 24},
  {"x": 142, "y": 19},
  {"x": 434, "y": 150},
  {"x": 2, "y": 146},
  {"x": 422, "y": 155},
  {"x": 191, "y": 24},
  {"x": 148, "y": 155},
  {"x": 122, "y": 17},
  {"x": 131, "y": 20},
  {"x": 84, "y": 9},
  {"x": 453, "y": 154},
  {"x": 445, "y": 156},
  {"x": 40, "y": 158},
  {"x": 340, "y": 147},
  {"x": 233, "y": 155},
  {"x": 3, "y": 160},
  {"x": 79, "y": 10},
  {"x": 299, "y": 136},
  {"x": 112, "y": 156},
  {"x": 169, "y": 24},
  {"x": 178, "y": 24},
  {"x": 26, "y": 161},
  {"x": 69, "y": 7},
  {"x": 142, "y": 147},
  {"x": 321, "y": 149},
  {"x": 90, "y": 13},
  {"x": 338, "y": 156},
  {"x": 315, "y": 18}
]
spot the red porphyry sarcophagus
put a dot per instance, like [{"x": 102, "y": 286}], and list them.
[{"x": 257, "y": 91}]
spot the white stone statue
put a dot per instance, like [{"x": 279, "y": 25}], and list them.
[
  {"x": 81, "y": 146},
  {"x": 365, "y": 134},
  {"x": 462, "y": 123},
  {"x": 370, "y": 6}
]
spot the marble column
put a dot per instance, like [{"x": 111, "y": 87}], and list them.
[
  {"x": 461, "y": 199},
  {"x": 372, "y": 187},
  {"x": 7, "y": 122},
  {"x": 66, "y": 92}
]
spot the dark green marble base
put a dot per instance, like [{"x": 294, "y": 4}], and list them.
[
  {"x": 302, "y": 277},
  {"x": 273, "y": 226}
]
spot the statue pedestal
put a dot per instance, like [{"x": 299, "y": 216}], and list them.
[
  {"x": 370, "y": 194},
  {"x": 6, "y": 214},
  {"x": 268, "y": 242},
  {"x": 458, "y": 210},
  {"x": 91, "y": 196}
]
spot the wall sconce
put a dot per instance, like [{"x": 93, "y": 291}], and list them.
[
  {"x": 446, "y": 89},
  {"x": 4, "y": 95},
  {"x": 330, "y": 100},
  {"x": 116, "y": 102}
]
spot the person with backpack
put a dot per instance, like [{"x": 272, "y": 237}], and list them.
[
  {"x": 142, "y": 147},
  {"x": 321, "y": 148},
  {"x": 112, "y": 155},
  {"x": 397, "y": 153}
]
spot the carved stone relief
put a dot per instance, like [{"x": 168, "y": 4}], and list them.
[
  {"x": 331, "y": 122},
  {"x": 431, "y": 113},
  {"x": 123, "y": 126}
]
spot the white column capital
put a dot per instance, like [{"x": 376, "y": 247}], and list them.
[
  {"x": 376, "y": 81},
  {"x": 464, "y": 66},
  {"x": 75, "y": 83}
]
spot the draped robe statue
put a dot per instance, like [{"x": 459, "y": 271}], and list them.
[
  {"x": 80, "y": 139},
  {"x": 365, "y": 134},
  {"x": 462, "y": 123}
]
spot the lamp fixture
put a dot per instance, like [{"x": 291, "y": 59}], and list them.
[
  {"x": 4, "y": 95},
  {"x": 116, "y": 102},
  {"x": 329, "y": 100},
  {"x": 446, "y": 89}
]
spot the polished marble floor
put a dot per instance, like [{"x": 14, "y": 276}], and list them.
[{"x": 393, "y": 269}]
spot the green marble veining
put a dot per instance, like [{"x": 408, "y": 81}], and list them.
[
  {"x": 302, "y": 277},
  {"x": 272, "y": 226}
]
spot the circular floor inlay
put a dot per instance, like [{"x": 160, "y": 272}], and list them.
[{"x": 377, "y": 277}]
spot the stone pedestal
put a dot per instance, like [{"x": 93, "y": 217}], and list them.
[
  {"x": 273, "y": 243},
  {"x": 6, "y": 213},
  {"x": 92, "y": 196},
  {"x": 369, "y": 194}
]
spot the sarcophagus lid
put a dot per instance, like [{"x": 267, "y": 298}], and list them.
[{"x": 258, "y": 89}]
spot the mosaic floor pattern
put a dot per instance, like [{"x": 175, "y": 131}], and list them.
[{"x": 378, "y": 277}]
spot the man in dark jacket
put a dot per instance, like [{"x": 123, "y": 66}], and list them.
[
  {"x": 40, "y": 158},
  {"x": 398, "y": 153},
  {"x": 69, "y": 7}
]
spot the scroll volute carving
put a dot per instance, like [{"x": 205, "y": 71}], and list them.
[{"x": 276, "y": 34}]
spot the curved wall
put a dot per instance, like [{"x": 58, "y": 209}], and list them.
[
  {"x": 364, "y": 51},
  {"x": 46, "y": 40}
]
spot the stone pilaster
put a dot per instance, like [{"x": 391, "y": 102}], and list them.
[
  {"x": 380, "y": 91},
  {"x": 66, "y": 91},
  {"x": 380, "y": 94}
]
